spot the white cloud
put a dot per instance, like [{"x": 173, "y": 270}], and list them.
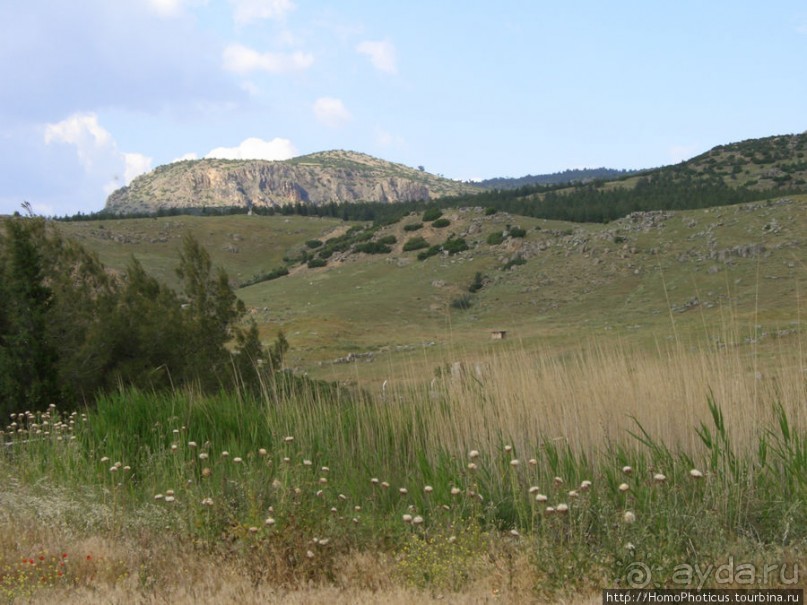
[
  {"x": 186, "y": 156},
  {"x": 254, "y": 148},
  {"x": 246, "y": 11},
  {"x": 381, "y": 53},
  {"x": 166, "y": 8},
  {"x": 83, "y": 131},
  {"x": 241, "y": 59},
  {"x": 331, "y": 112},
  {"x": 385, "y": 138},
  {"x": 97, "y": 150}
]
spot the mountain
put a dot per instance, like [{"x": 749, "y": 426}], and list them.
[
  {"x": 583, "y": 175},
  {"x": 319, "y": 178}
]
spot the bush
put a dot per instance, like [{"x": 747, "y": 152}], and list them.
[
  {"x": 432, "y": 214},
  {"x": 518, "y": 232},
  {"x": 372, "y": 248},
  {"x": 413, "y": 226},
  {"x": 490, "y": 210},
  {"x": 388, "y": 240},
  {"x": 518, "y": 260},
  {"x": 455, "y": 245},
  {"x": 495, "y": 238},
  {"x": 416, "y": 243},
  {"x": 432, "y": 251},
  {"x": 313, "y": 243},
  {"x": 440, "y": 223},
  {"x": 262, "y": 277},
  {"x": 462, "y": 303},
  {"x": 477, "y": 284},
  {"x": 317, "y": 262}
]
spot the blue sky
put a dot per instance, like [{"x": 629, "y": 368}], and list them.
[{"x": 95, "y": 92}]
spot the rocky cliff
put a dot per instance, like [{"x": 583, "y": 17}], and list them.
[{"x": 320, "y": 178}]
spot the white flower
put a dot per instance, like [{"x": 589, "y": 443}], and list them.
[
  {"x": 541, "y": 498},
  {"x": 237, "y": 460},
  {"x": 629, "y": 517},
  {"x": 623, "y": 487},
  {"x": 288, "y": 439},
  {"x": 473, "y": 454},
  {"x": 407, "y": 518},
  {"x": 428, "y": 489},
  {"x": 696, "y": 474},
  {"x": 659, "y": 478},
  {"x": 471, "y": 466},
  {"x": 585, "y": 486},
  {"x": 534, "y": 489},
  {"x": 403, "y": 491},
  {"x": 307, "y": 463},
  {"x": 262, "y": 452},
  {"x": 562, "y": 508},
  {"x": 508, "y": 448},
  {"x": 533, "y": 462},
  {"x": 514, "y": 462},
  {"x": 514, "y": 533},
  {"x": 558, "y": 481},
  {"x": 455, "y": 491},
  {"x": 417, "y": 520},
  {"x": 627, "y": 470}
]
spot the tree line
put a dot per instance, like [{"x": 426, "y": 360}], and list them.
[{"x": 70, "y": 329}]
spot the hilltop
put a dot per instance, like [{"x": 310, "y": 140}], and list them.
[{"x": 319, "y": 178}]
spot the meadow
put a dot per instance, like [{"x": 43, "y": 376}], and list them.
[{"x": 529, "y": 476}]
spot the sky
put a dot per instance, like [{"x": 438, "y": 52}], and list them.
[{"x": 95, "y": 92}]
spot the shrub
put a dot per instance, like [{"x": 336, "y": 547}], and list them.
[
  {"x": 317, "y": 262},
  {"x": 432, "y": 251},
  {"x": 495, "y": 238},
  {"x": 477, "y": 284},
  {"x": 388, "y": 240},
  {"x": 518, "y": 232},
  {"x": 440, "y": 223},
  {"x": 413, "y": 226},
  {"x": 432, "y": 214},
  {"x": 462, "y": 302},
  {"x": 262, "y": 277},
  {"x": 415, "y": 243},
  {"x": 455, "y": 245},
  {"x": 513, "y": 262},
  {"x": 313, "y": 243},
  {"x": 372, "y": 248},
  {"x": 490, "y": 210}
]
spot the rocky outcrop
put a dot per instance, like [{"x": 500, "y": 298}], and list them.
[{"x": 335, "y": 176}]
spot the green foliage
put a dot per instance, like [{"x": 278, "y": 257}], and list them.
[
  {"x": 490, "y": 211},
  {"x": 455, "y": 245},
  {"x": 387, "y": 240},
  {"x": 413, "y": 226},
  {"x": 462, "y": 303},
  {"x": 372, "y": 248},
  {"x": 314, "y": 243},
  {"x": 514, "y": 262},
  {"x": 441, "y": 223},
  {"x": 517, "y": 232},
  {"x": 415, "y": 243},
  {"x": 495, "y": 238},
  {"x": 69, "y": 330},
  {"x": 270, "y": 275},
  {"x": 477, "y": 284},
  {"x": 432, "y": 214},
  {"x": 431, "y": 251},
  {"x": 316, "y": 262}
]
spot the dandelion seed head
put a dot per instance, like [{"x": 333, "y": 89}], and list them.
[
  {"x": 374, "y": 480},
  {"x": 573, "y": 494},
  {"x": 191, "y": 444},
  {"x": 385, "y": 485},
  {"x": 585, "y": 486},
  {"x": 534, "y": 489}
]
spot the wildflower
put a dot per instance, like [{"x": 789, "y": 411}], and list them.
[
  {"x": 174, "y": 447},
  {"x": 170, "y": 499},
  {"x": 288, "y": 439},
  {"x": 514, "y": 462},
  {"x": 237, "y": 460},
  {"x": 550, "y": 510},
  {"x": 269, "y": 521},
  {"x": 629, "y": 517},
  {"x": 323, "y": 480},
  {"x": 355, "y": 520},
  {"x": 307, "y": 463},
  {"x": 627, "y": 470},
  {"x": 696, "y": 474},
  {"x": 562, "y": 508},
  {"x": 428, "y": 489},
  {"x": 585, "y": 486},
  {"x": 323, "y": 541},
  {"x": 558, "y": 481},
  {"x": 534, "y": 489},
  {"x": 127, "y": 468},
  {"x": 623, "y": 487},
  {"x": 629, "y": 546},
  {"x": 403, "y": 491},
  {"x": 207, "y": 502},
  {"x": 532, "y": 462},
  {"x": 206, "y": 472},
  {"x": 385, "y": 485},
  {"x": 342, "y": 497},
  {"x": 407, "y": 518},
  {"x": 169, "y": 492},
  {"x": 191, "y": 444},
  {"x": 286, "y": 459},
  {"x": 357, "y": 508},
  {"x": 309, "y": 554},
  {"x": 203, "y": 456},
  {"x": 262, "y": 452},
  {"x": 659, "y": 478},
  {"x": 158, "y": 496},
  {"x": 473, "y": 454},
  {"x": 253, "y": 530},
  {"x": 105, "y": 459},
  {"x": 418, "y": 520},
  {"x": 573, "y": 494},
  {"x": 225, "y": 454},
  {"x": 514, "y": 533},
  {"x": 508, "y": 448},
  {"x": 452, "y": 539},
  {"x": 333, "y": 510},
  {"x": 471, "y": 466},
  {"x": 455, "y": 491},
  {"x": 325, "y": 469},
  {"x": 176, "y": 431},
  {"x": 113, "y": 469},
  {"x": 374, "y": 481},
  {"x": 319, "y": 493}
]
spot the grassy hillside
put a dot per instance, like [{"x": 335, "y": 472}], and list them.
[{"x": 649, "y": 277}]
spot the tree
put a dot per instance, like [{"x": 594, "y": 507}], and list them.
[{"x": 28, "y": 375}]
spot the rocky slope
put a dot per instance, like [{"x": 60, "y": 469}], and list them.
[{"x": 320, "y": 178}]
